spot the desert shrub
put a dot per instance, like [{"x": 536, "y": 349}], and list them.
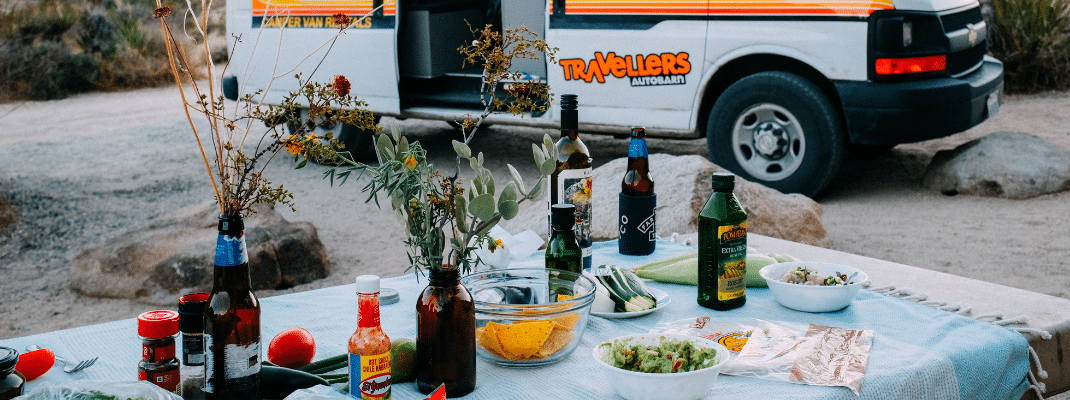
[
  {"x": 1032, "y": 38},
  {"x": 50, "y": 49},
  {"x": 47, "y": 70}
]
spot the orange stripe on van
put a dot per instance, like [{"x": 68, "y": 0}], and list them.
[
  {"x": 295, "y": 8},
  {"x": 725, "y": 7}
]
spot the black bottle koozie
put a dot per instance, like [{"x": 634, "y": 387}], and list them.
[{"x": 636, "y": 224}]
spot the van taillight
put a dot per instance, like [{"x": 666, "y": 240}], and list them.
[{"x": 912, "y": 65}]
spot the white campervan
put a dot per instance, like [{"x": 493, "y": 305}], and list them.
[{"x": 780, "y": 88}]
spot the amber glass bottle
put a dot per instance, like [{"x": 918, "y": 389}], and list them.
[
  {"x": 369, "y": 346},
  {"x": 722, "y": 248},
  {"x": 571, "y": 182},
  {"x": 637, "y": 201},
  {"x": 232, "y": 320},
  {"x": 446, "y": 335}
]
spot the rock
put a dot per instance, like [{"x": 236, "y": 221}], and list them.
[
  {"x": 683, "y": 186},
  {"x": 8, "y": 213},
  {"x": 174, "y": 255},
  {"x": 1011, "y": 165}
]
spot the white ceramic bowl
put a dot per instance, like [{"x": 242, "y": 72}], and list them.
[
  {"x": 811, "y": 298},
  {"x": 634, "y": 385}
]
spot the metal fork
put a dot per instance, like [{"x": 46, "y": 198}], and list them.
[{"x": 69, "y": 366}]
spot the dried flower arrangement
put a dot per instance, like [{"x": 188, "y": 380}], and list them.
[{"x": 237, "y": 149}]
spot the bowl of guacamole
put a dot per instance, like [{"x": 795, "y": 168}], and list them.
[{"x": 663, "y": 366}]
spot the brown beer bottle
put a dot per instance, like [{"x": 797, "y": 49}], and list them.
[
  {"x": 637, "y": 201},
  {"x": 232, "y": 320},
  {"x": 571, "y": 182},
  {"x": 637, "y": 180},
  {"x": 722, "y": 247}
]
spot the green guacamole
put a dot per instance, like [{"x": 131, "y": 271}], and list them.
[{"x": 669, "y": 355}]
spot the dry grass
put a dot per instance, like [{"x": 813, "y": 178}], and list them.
[
  {"x": 1032, "y": 38},
  {"x": 50, "y": 49}
]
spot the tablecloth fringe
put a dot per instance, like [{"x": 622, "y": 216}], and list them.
[{"x": 995, "y": 318}]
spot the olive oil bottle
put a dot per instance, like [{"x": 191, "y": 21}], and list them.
[{"x": 722, "y": 248}]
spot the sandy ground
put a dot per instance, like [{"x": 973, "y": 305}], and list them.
[{"x": 91, "y": 167}]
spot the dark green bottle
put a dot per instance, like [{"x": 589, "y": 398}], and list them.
[
  {"x": 563, "y": 250},
  {"x": 722, "y": 248}
]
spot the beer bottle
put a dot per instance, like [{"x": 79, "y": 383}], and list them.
[
  {"x": 232, "y": 320},
  {"x": 636, "y": 202},
  {"x": 571, "y": 182},
  {"x": 563, "y": 250},
  {"x": 369, "y": 347},
  {"x": 722, "y": 248}
]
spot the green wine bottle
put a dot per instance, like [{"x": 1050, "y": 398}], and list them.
[
  {"x": 563, "y": 250},
  {"x": 722, "y": 248}
]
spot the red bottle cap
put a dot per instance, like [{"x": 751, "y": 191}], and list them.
[{"x": 157, "y": 324}]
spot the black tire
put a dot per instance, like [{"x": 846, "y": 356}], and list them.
[
  {"x": 867, "y": 151},
  {"x": 778, "y": 129},
  {"x": 358, "y": 142}
]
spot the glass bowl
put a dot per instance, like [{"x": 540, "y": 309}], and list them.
[{"x": 529, "y": 317}]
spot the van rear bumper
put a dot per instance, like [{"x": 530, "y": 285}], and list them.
[{"x": 906, "y": 112}]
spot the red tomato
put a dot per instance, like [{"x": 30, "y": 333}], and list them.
[
  {"x": 35, "y": 363},
  {"x": 292, "y": 348}
]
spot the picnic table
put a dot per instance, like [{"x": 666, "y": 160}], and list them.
[{"x": 919, "y": 351}]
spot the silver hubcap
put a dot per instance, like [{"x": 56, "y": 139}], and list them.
[{"x": 768, "y": 142}]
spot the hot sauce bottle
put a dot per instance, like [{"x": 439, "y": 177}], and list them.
[{"x": 369, "y": 347}]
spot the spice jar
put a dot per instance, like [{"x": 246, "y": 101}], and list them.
[
  {"x": 191, "y": 323},
  {"x": 159, "y": 364},
  {"x": 11, "y": 381}
]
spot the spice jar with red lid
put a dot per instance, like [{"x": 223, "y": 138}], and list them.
[{"x": 159, "y": 364}]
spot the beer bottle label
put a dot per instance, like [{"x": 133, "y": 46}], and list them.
[
  {"x": 240, "y": 364},
  {"x": 230, "y": 251},
  {"x": 369, "y": 376},
  {"x": 731, "y": 261},
  {"x": 574, "y": 187}
]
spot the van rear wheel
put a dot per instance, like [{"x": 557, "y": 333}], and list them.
[
  {"x": 358, "y": 142},
  {"x": 778, "y": 129}
]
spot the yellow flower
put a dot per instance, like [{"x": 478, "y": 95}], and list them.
[
  {"x": 311, "y": 137},
  {"x": 410, "y": 162},
  {"x": 295, "y": 147},
  {"x": 495, "y": 244}
]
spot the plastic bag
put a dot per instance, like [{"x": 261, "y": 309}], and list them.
[
  {"x": 98, "y": 390},
  {"x": 785, "y": 351},
  {"x": 318, "y": 392}
]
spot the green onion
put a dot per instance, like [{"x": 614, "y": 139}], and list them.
[{"x": 336, "y": 362}]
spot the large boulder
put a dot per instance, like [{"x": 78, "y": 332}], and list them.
[
  {"x": 1011, "y": 165},
  {"x": 683, "y": 186},
  {"x": 8, "y": 213},
  {"x": 174, "y": 255}
]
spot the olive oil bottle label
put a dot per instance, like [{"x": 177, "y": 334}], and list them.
[
  {"x": 574, "y": 187},
  {"x": 369, "y": 376},
  {"x": 731, "y": 261}
]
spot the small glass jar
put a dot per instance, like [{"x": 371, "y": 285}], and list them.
[
  {"x": 11, "y": 381},
  {"x": 159, "y": 363},
  {"x": 191, "y": 323}
]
